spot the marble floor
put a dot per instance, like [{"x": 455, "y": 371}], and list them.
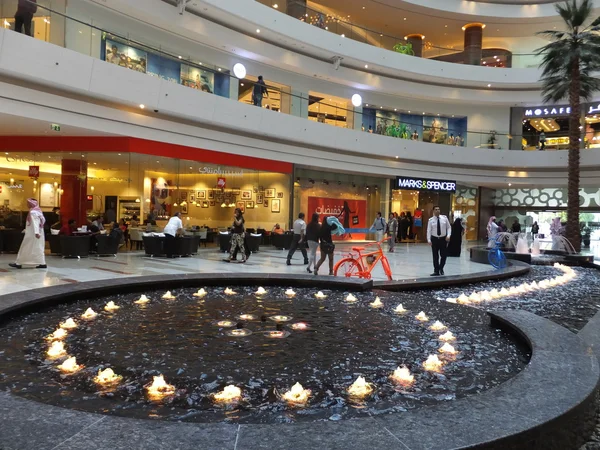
[{"x": 407, "y": 262}]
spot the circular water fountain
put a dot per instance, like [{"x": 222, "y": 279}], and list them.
[{"x": 255, "y": 356}]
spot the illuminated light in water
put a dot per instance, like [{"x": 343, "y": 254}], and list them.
[
  {"x": 297, "y": 395},
  {"x": 230, "y": 394},
  {"x": 447, "y": 336},
  {"x": 290, "y": 293},
  {"x": 226, "y": 323},
  {"x": 320, "y": 295},
  {"x": 402, "y": 376},
  {"x": 110, "y": 306},
  {"x": 433, "y": 364},
  {"x": 56, "y": 350},
  {"x": 68, "y": 324},
  {"x": 437, "y": 326},
  {"x": 462, "y": 298},
  {"x": 351, "y": 298},
  {"x": 57, "y": 335},
  {"x": 377, "y": 303},
  {"x": 360, "y": 388},
  {"x": 159, "y": 388},
  {"x": 494, "y": 293},
  {"x": 400, "y": 309},
  {"x": 89, "y": 314},
  {"x": 169, "y": 296},
  {"x": 239, "y": 332},
  {"x": 422, "y": 317},
  {"x": 229, "y": 291},
  {"x": 447, "y": 348},
  {"x": 260, "y": 291},
  {"x": 201, "y": 293},
  {"x": 280, "y": 318},
  {"x": 246, "y": 317},
  {"x": 70, "y": 365},
  {"x": 107, "y": 377},
  {"x": 299, "y": 326},
  {"x": 142, "y": 300}
]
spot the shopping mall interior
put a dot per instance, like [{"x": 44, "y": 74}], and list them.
[{"x": 299, "y": 224}]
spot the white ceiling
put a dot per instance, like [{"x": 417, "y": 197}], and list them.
[{"x": 18, "y": 126}]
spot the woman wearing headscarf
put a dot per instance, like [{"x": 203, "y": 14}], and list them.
[
  {"x": 455, "y": 243},
  {"x": 31, "y": 252},
  {"x": 330, "y": 227},
  {"x": 492, "y": 231}
]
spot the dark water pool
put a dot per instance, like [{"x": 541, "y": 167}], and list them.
[{"x": 181, "y": 340}]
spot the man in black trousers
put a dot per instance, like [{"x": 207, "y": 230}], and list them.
[
  {"x": 24, "y": 16},
  {"x": 438, "y": 235},
  {"x": 298, "y": 241}
]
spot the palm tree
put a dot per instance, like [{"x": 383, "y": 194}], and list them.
[{"x": 569, "y": 63}]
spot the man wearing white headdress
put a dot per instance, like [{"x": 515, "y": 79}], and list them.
[{"x": 31, "y": 252}]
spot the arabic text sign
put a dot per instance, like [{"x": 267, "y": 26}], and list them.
[{"x": 351, "y": 213}]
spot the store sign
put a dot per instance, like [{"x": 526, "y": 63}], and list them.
[
  {"x": 208, "y": 170},
  {"x": 55, "y": 127},
  {"x": 422, "y": 184},
  {"x": 548, "y": 111},
  {"x": 221, "y": 182},
  {"x": 594, "y": 109},
  {"x": 34, "y": 171}
]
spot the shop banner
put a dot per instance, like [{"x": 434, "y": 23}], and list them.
[{"x": 351, "y": 213}]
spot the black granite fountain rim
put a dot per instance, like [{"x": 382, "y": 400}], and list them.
[
  {"x": 515, "y": 268},
  {"x": 550, "y": 404},
  {"x": 535, "y": 409}
]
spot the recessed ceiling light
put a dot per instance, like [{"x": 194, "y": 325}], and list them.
[
  {"x": 367, "y": 104},
  {"x": 366, "y": 66},
  {"x": 409, "y": 112},
  {"x": 489, "y": 85},
  {"x": 510, "y": 184},
  {"x": 381, "y": 107},
  {"x": 219, "y": 69},
  {"x": 275, "y": 6},
  {"x": 142, "y": 106},
  {"x": 405, "y": 18},
  {"x": 364, "y": 7},
  {"x": 423, "y": 113},
  {"x": 179, "y": 57},
  {"x": 258, "y": 30},
  {"x": 445, "y": 26},
  {"x": 343, "y": 35},
  {"x": 395, "y": 109},
  {"x": 397, "y": 157}
]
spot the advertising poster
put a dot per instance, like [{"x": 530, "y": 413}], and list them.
[
  {"x": 386, "y": 122},
  {"x": 195, "y": 78},
  {"x": 435, "y": 129},
  {"x": 161, "y": 201},
  {"x": 164, "y": 68},
  {"x": 126, "y": 56},
  {"x": 350, "y": 213}
]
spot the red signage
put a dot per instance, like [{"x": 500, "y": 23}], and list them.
[
  {"x": 221, "y": 183},
  {"x": 351, "y": 213},
  {"x": 34, "y": 171}
]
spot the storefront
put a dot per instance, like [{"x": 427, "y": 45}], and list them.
[
  {"x": 354, "y": 199},
  {"x": 121, "y": 177}
]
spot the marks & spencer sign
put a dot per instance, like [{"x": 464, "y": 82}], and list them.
[{"x": 422, "y": 184}]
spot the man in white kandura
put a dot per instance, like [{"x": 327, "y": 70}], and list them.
[
  {"x": 31, "y": 252},
  {"x": 438, "y": 235}
]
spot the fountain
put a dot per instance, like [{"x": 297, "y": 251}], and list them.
[
  {"x": 422, "y": 317},
  {"x": 276, "y": 334},
  {"x": 507, "y": 238},
  {"x": 260, "y": 291},
  {"x": 290, "y": 293},
  {"x": 351, "y": 298},
  {"x": 201, "y": 293},
  {"x": 299, "y": 326},
  {"x": 107, "y": 377},
  {"x": 225, "y": 323},
  {"x": 110, "y": 306},
  {"x": 239, "y": 332},
  {"x": 229, "y": 291},
  {"x": 535, "y": 247},
  {"x": 400, "y": 309},
  {"x": 230, "y": 394},
  {"x": 447, "y": 348},
  {"x": 246, "y": 317},
  {"x": 68, "y": 324},
  {"x": 447, "y": 336},
  {"x": 437, "y": 326},
  {"x": 403, "y": 376},
  {"x": 377, "y": 303},
  {"x": 70, "y": 365},
  {"x": 320, "y": 295},
  {"x": 89, "y": 314},
  {"x": 169, "y": 296},
  {"x": 142, "y": 300},
  {"x": 433, "y": 364},
  {"x": 474, "y": 297},
  {"x": 462, "y": 298},
  {"x": 297, "y": 395},
  {"x": 56, "y": 350},
  {"x": 360, "y": 388},
  {"x": 280, "y": 318},
  {"x": 159, "y": 388},
  {"x": 58, "y": 335},
  {"x": 522, "y": 246}
]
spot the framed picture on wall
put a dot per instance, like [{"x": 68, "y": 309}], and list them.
[
  {"x": 266, "y": 203},
  {"x": 259, "y": 199},
  {"x": 219, "y": 197},
  {"x": 198, "y": 205},
  {"x": 255, "y": 190},
  {"x": 241, "y": 205},
  {"x": 183, "y": 195},
  {"x": 205, "y": 204},
  {"x": 210, "y": 195},
  {"x": 275, "y": 205},
  {"x": 201, "y": 195},
  {"x": 270, "y": 193},
  {"x": 183, "y": 208},
  {"x": 236, "y": 191},
  {"x": 280, "y": 195},
  {"x": 192, "y": 198},
  {"x": 261, "y": 189},
  {"x": 249, "y": 205},
  {"x": 246, "y": 195},
  {"x": 212, "y": 203}
]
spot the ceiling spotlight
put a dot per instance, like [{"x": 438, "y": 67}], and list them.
[
  {"x": 366, "y": 66},
  {"x": 258, "y": 30},
  {"x": 510, "y": 184},
  {"x": 489, "y": 85},
  {"x": 142, "y": 106},
  {"x": 275, "y": 6}
]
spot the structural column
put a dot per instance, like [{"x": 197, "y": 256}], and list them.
[
  {"x": 416, "y": 40},
  {"x": 73, "y": 180},
  {"x": 473, "y": 40}
]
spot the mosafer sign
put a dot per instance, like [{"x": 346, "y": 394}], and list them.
[
  {"x": 548, "y": 111},
  {"x": 422, "y": 184}
]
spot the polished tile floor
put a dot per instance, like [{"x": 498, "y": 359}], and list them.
[{"x": 407, "y": 262}]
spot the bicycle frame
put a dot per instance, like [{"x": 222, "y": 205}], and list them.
[{"x": 365, "y": 268}]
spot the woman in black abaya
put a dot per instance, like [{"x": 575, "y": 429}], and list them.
[{"x": 455, "y": 243}]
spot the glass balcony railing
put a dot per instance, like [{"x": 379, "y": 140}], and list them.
[
  {"x": 342, "y": 26},
  {"x": 118, "y": 46}
]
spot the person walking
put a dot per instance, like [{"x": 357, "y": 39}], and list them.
[
  {"x": 330, "y": 226},
  {"x": 31, "y": 252},
  {"x": 516, "y": 226},
  {"x": 542, "y": 140},
  {"x": 379, "y": 225},
  {"x": 438, "y": 235},
  {"x": 535, "y": 229},
  {"x": 172, "y": 229},
  {"x": 492, "y": 231},
  {"x": 299, "y": 228},
  {"x": 24, "y": 16},
  {"x": 313, "y": 229},
  {"x": 392, "y": 231},
  {"x": 237, "y": 236},
  {"x": 259, "y": 91}
]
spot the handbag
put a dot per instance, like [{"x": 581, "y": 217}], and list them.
[{"x": 327, "y": 247}]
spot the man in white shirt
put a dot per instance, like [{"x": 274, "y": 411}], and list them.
[
  {"x": 299, "y": 232},
  {"x": 438, "y": 235},
  {"x": 379, "y": 225},
  {"x": 173, "y": 227}
]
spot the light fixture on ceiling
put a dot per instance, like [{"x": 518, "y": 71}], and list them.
[
  {"x": 275, "y": 6},
  {"x": 343, "y": 35},
  {"x": 258, "y": 30},
  {"x": 142, "y": 106},
  {"x": 357, "y": 100},
  {"x": 489, "y": 85},
  {"x": 510, "y": 184},
  {"x": 239, "y": 70},
  {"x": 366, "y": 66}
]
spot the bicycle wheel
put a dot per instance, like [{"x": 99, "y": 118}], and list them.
[
  {"x": 347, "y": 267},
  {"x": 386, "y": 267}
]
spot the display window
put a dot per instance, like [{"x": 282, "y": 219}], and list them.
[
  {"x": 329, "y": 109},
  {"x": 278, "y": 96}
]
